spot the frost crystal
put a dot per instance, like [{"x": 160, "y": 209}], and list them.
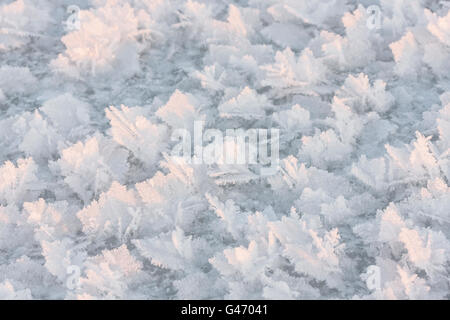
[{"x": 122, "y": 129}]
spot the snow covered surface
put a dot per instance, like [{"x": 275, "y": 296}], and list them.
[{"x": 93, "y": 206}]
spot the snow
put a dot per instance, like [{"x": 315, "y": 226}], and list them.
[{"x": 94, "y": 204}]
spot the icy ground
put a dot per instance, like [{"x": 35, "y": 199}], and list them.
[{"x": 93, "y": 206}]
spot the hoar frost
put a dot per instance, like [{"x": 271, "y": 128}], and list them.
[{"x": 94, "y": 206}]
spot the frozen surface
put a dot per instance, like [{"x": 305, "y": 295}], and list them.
[{"x": 93, "y": 206}]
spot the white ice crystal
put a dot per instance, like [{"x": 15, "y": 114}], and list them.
[
  {"x": 294, "y": 119},
  {"x": 180, "y": 111},
  {"x": 109, "y": 215},
  {"x": 105, "y": 41},
  {"x": 105, "y": 275},
  {"x": 323, "y": 148},
  {"x": 132, "y": 130},
  {"x": 7, "y": 292},
  {"x": 407, "y": 55},
  {"x": 19, "y": 182},
  {"x": 20, "y": 21},
  {"x": 356, "y": 48},
  {"x": 291, "y": 73},
  {"x": 16, "y": 80},
  {"x": 358, "y": 93},
  {"x": 97, "y": 201},
  {"x": 86, "y": 179},
  {"x": 248, "y": 105},
  {"x": 68, "y": 114}
]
